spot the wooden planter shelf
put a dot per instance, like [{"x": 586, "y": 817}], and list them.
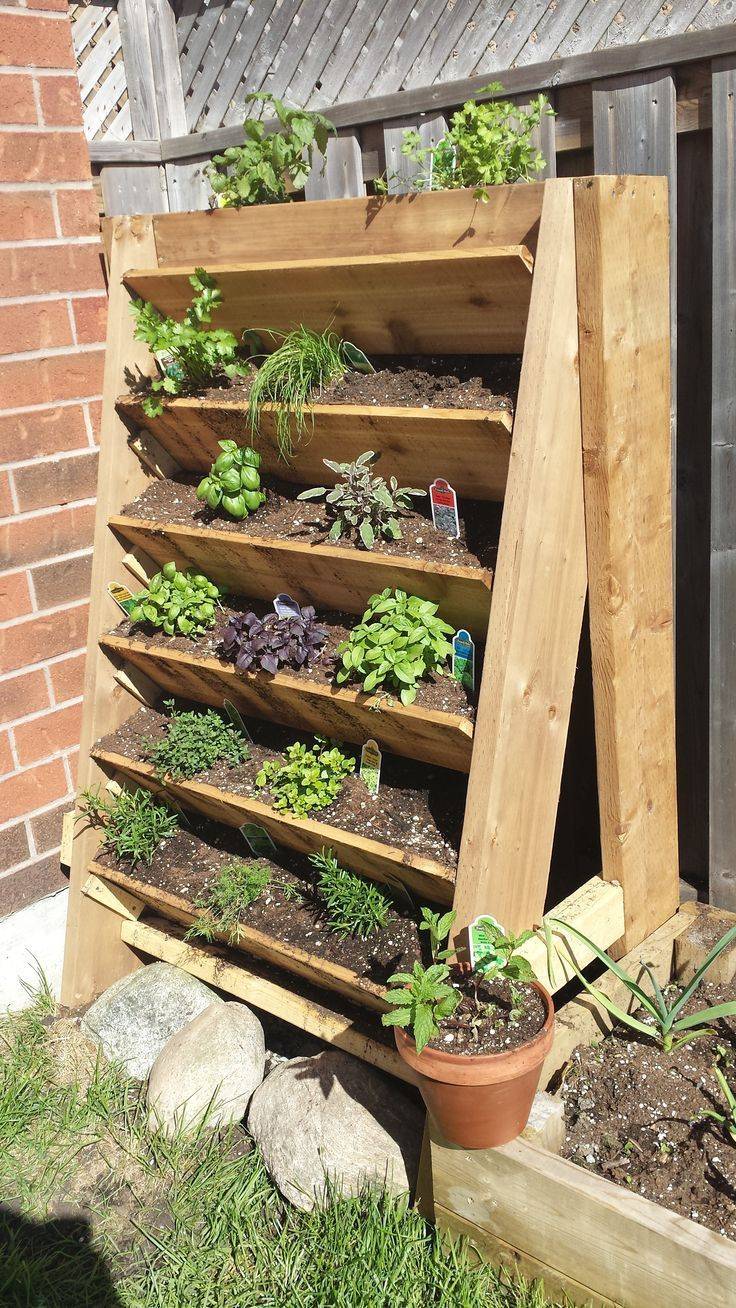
[
  {"x": 424, "y": 734},
  {"x": 328, "y": 576},
  {"x": 470, "y": 446},
  {"x": 424, "y": 877}
]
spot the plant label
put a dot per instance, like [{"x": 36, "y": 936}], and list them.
[
  {"x": 236, "y": 719},
  {"x": 258, "y": 840},
  {"x": 67, "y": 838},
  {"x": 168, "y": 365},
  {"x": 370, "y": 766},
  {"x": 481, "y": 938},
  {"x": 444, "y": 508},
  {"x": 463, "y": 659},
  {"x": 122, "y": 597},
  {"x": 286, "y": 607}
]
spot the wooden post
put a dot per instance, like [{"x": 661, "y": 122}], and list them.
[
  {"x": 622, "y": 245},
  {"x": 95, "y": 955}
]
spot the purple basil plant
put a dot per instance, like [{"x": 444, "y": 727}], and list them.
[{"x": 272, "y": 642}]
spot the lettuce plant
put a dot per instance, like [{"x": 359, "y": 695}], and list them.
[
  {"x": 262, "y": 170},
  {"x": 361, "y": 505},
  {"x": 272, "y": 642},
  {"x": 308, "y": 777},
  {"x": 233, "y": 482},
  {"x": 180, "y": 603},
  {"x": 398, "y": 641}
]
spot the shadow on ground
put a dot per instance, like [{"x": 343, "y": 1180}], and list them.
[{"x": 51, "y": 1265}]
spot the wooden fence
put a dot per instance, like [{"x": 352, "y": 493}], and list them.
[{"x": 665, "y": 106}]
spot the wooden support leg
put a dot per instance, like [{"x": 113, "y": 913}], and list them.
[
  {"x": 95, "y": 956},
  {"x": 621, "y": 228}
]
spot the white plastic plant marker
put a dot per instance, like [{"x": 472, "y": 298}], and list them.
[
  {"x": 463, "y": 659},
  {"x": 370, "y": 766},
  {"x": 286, "y": 607},
  {"x": 481, "y": 933},
  {"x": 122, "y": 596},
  {"x": 258, "y": 840},
  {"x": 443, "y": 499}
]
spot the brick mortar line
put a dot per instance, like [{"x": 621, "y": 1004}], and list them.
[
  {"x": 26, "y": 866},
  {"x": 10, "y": 623},
  {"x": 50, "y": 243},
  {"x": 61, "y": 754},
  {"x": 36, "y": 812},
  {"x": 53, "y": 352},
  {"x": 51, "y": 297},
  {"x": 52, "y": 508},
  {"x": 51, "y": 404},
  {"x": 43, "y": 713},
  {"x": 13, "y": 11},
  {"x": 43, "y": 665},
  {"x": 11, "y": 188},
  {"x": 54, "y": 558},
  {"x": 44, "y": 458},
  {"x": 39, "y": 129}
]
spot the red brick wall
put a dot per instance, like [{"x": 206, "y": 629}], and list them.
[{"x": 52, "y": 322}]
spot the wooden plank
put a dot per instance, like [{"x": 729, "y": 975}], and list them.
[
  {"x": 338, "y": 173},
  {"x": 442, "y": 220},
  {"x": 386, "y": 863},
  {"x": 140, "y": 74},
  {"x": 722, "y": 771},
  {"x": 401, "y": 171},
  {"x": 596, "y": 909},
  {"x": 472, "y": 446},
  {"x": 339, "y": 1025},
  {"x": 318, "y": 971},
  {"x": 425, "y": 734},
  {"x": 115, "y": 898},
  {"x": 94, "y": 956},
  {"x": 133, "y": 189},
  {"x": 383, "y": 303},
  {"x": 623, "y": 266},
  {"x": 331, "y": 577},
  {"x": 536, "y": 615}
]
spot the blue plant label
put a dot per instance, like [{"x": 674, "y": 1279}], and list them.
[
  {"x": 286, "y": 607},
  {"x": 236, "y": 719},
  {"x": 370, "y": 766},
  {"x": 482, "y": 935},
  {"x": 444, "y": 507},
  {"x": 122, "y": 597},
  {"x": 463, "y": 659},
  {"x": 258, "y": 840}
]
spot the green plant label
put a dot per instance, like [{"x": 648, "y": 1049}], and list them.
[
  {"x": 463, "y": 659},
  {"x": 170, "y": 367},
  {"x": 236, "y": 719},
  {"x": 258, "y": 840},
  {"x": 444, "y": 507},
  {"x": 370, "y": 766},
  {"x": 286, "y": 607},
  {"x": 481, "y": 938},
  {"x": 122, "y": 596}
]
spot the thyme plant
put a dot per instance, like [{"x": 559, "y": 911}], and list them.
[{"x": 194, "y": 741}]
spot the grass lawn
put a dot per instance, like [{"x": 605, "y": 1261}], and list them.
[{"x": 96, "y": 1211}]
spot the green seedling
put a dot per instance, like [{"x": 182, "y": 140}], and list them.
[
  {"x": 398, "y": 642},
  {"x": 424, "y": 999},
  {"x": 236, "y": 886},
  {"x": 725, "y": 1117},
  {"x": 271, "y": 164},
  {"x": 306, "y": 777}
]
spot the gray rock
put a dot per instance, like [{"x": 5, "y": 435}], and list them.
[
  {"x": 211, "y": 1067},
  {"x": 334, "y": 1116},
  {"x": 132, "y": 1020}
]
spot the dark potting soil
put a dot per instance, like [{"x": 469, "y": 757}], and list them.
[
  {"x": 284, "y": 517},
  {"x": 633, "y": 1115},
  {"x": 419, "y": 809},
  {"x": 499, "y": 1018},
  {"x": 443, "y": 693},
  {"x": 189, "y": 861}
]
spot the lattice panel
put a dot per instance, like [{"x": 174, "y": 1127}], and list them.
[{"x": 101, "y": 71}]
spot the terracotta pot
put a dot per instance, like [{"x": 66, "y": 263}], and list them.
[{"x": 480, "y": 1101}]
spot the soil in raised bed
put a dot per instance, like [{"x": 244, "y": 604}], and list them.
[
  {"x": 185, "y": 864},
  {"x": 441, "y": 693},
  {"x": 284, "y": 517},
  {"x": 515, "y": 1015},
  {"x": 633, "y": 1116},
  {"x": 419, "y": 809}
]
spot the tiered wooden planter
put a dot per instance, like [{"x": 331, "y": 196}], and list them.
[{"x": 572, "y": 274}]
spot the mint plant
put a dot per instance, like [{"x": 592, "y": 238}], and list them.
[
  {"x": 398, "y": 642},
  {"x": 362, "y": 506},
  {"x": 309, "y": 777},
  {"x": 195, "y": 356},
  {"x": 263, "y": 170},
  {"x": 180, "y": 603},
  {"x": 233, "y": 482},
  {"x": 193, "y": 742},
  {"x": 438, "y": 925},
  {"x": 133, "y": 823},
  {"x": 424, "y": 999},
  {"x": 354, "y": 906},
  {"x": 236, "y": 886}
]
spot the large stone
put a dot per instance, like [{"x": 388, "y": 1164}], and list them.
[
  {"x": 334, "y": 1116},
  {"x": 211, "y": 1067},
  {"x": 135, "y": 1016}
]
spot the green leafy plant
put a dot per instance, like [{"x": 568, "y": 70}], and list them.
[
  {"x": 665, "y": 1024},
  {"x": 362, "y": 505},
  {"x": 195, "y": 356},
  {"x": 236, "y": 886},
  {"x": 134, "y": 824},
  {"x": 398, "y": 641},
  {"x": 193, "y": 741},
  {"x": 298, "y": 369},
  {"x": 504, "y": 960},
  {"x": 424, "y": 999},
  {"x": 181, "y": 603},
  {"x": 438, "y": 925},
  {"x": 309, "y": 777},
  {"x": 270, "y": 162},
  {"x": 355, "y": 906},
  {"x": 725, "y": 1117},
  {"x": 486, "y": 144},
  {"x": 233, "y": 482}
]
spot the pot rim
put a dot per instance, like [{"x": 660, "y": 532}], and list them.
[{"x": 480, "y": 1069}]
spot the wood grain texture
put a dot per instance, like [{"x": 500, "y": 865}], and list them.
[
  {"x": 536, "y": 615},
  {"x": 424, "y": 734},
  {"x": 328, "y": 576},
  {"x": 384, "y": 303},
  {"x": 471, "y": 447},
  {"x": 623, "y": 268},
  {"x": 597, "y": 910},
  {"x": 423, "y": 876},
  {"x": 339, "y": 173}
]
